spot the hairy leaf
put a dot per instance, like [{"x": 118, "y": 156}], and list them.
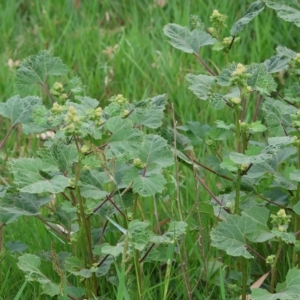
[
  {"x": 258, "y": 216},
  {"x": 224, "y": 78},
  {"x": 277, "y": 115},
  {"x": 254, "y": 9},
  {"x": 30, "y": 264},
  {"x": 92, "y": 184},
  {"x": 23, "y": 204},
  {"x": 60, "y": 155},
  {"x": 290, "y": 289},
  {"x": 257, "y": 127},
  {"x": 276, "y": 63},
  {"x": 185, "y": 40},
  {"x": 149, "y": 186},
  {"x": 156, "y": 151},
  {"x": 139, "y": 234},
  {"x": 230, "y": 235},
  {"x": 288, "y": 10},
  {"x": 35, "y": 70},
  {"x": 260, "y": 79},
  {"x": 19, "y": 110},
  {"x": 240, "y": 158},
  {"x": 200, "y": 85},
  {"x": 284, "y": 51},
  {"x": 30, "y": 177},
  {"x": 124, "y": 140},
  {"x": 150, "y": 114}
]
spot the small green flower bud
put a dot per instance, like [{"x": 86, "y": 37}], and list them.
[
  {"x": 270, "y": 259},
  {"x": 125, "y": 113},
  {"x": 58, "y": 87},
  {"x": 84, "y": 149},
  {"x": 236, "y": 100},
  {"x": 240, "y": 69},
  {"x": 244, "y": 167},
  {"x": 63, "y": 97},
  {"x": 138, "y": 163}
]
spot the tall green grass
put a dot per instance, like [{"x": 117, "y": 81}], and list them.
[{"x": 117, "y": 46}]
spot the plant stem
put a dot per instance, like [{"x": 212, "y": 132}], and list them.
[
  {"x": 6, "y": 136},
  {"x": 183, "y": 256},
  {"x": 237, "y": 194},
  {"x": 296, "y": 256},
  {"x": 137, "y": 267},
  {"x": 244, "y": 265},
  {"x": 273, "y": 269},
  {"x": 237, "y": 129}
]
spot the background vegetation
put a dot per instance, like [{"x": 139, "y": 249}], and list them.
[{"x": 118, "y": 46}]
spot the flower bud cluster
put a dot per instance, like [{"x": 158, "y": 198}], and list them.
[
  {"x": 138, "y": 163},
  {"x": 236, "y": 100},
  {"x": 73, "y": 122},
  {"x": 59, "y": 91},
  {"x": 213, "y": 32},
  {"x": 270, "y": 259},
  {"x": 217, "y": 19},
  {"x": 239, "y": 77},
  {"x": 196, "y": 21},
  {"x": 125, "y": 113},
  {"x": 226, "y": 43},
  {"x": 294, "y": 65},
  {"x": 119, "y": 99},
  {"x": 296, "y": 119},
  {"x": 57, "y": 109},
  {"x": 281, "y": 220},
  {"x": 95, "y": 115}
]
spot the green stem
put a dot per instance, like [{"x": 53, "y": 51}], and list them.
[
  {"x": 244, "y": 265},
  {"x": 296, "y": 256},
  {"x": 245, "y": 141},
  {"x": 273, "y": 269},
  {"x": 237, "y": 194},
  {"x": 137, "y": 267},
  {"x": 238, "y": 128},
  {"x": 85, "y": 241}
]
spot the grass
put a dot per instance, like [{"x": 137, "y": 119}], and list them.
[{"x": 117, "y": 46}]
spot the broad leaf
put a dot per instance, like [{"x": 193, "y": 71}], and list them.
[
  {"x": 30, "y": 177},
  {"x": 149, "y": 113},
  {"x": 149, "y": 186},
  {"x": 114, "y": 251},
  {"x": 278, "y": 115},
  {"x": 257, "y": 127},
  {"x": 259, "y": 216},
  {"x": 284, "y": 51},
  {"x": 124, "y": 140},
  {"x": 30, "y": 264},
  {"x": 288, "y": 10},
  {"x": 276, "y": 63},
  {"x": 92, "y": 184},
  {"x": 185, "y": 40},
  {"x": 224, "y": 78},
  {"x": 240, "y": 158},
  {"x": 60, "y": 155},
  {"x": 254, "y": 9},
  {"x": 139, "y": 234},
  {"x": 260, "y": 79},
  {"x": 156, "y": 151},
  {"x": 35, "y": 70},
  {"x": 200, "y": 85},
  {"x": 230, "y": 235},
  {"x": 23, "y": 204},
  {"x": 288, "y": 290},
  {"x": 15, "y": 246},
  {"x": 19, "y": 110}
]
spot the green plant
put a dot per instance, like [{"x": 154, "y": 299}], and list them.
[
  {"x": 86, "y": 184},
  {"x": 255, "y": 153}
]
